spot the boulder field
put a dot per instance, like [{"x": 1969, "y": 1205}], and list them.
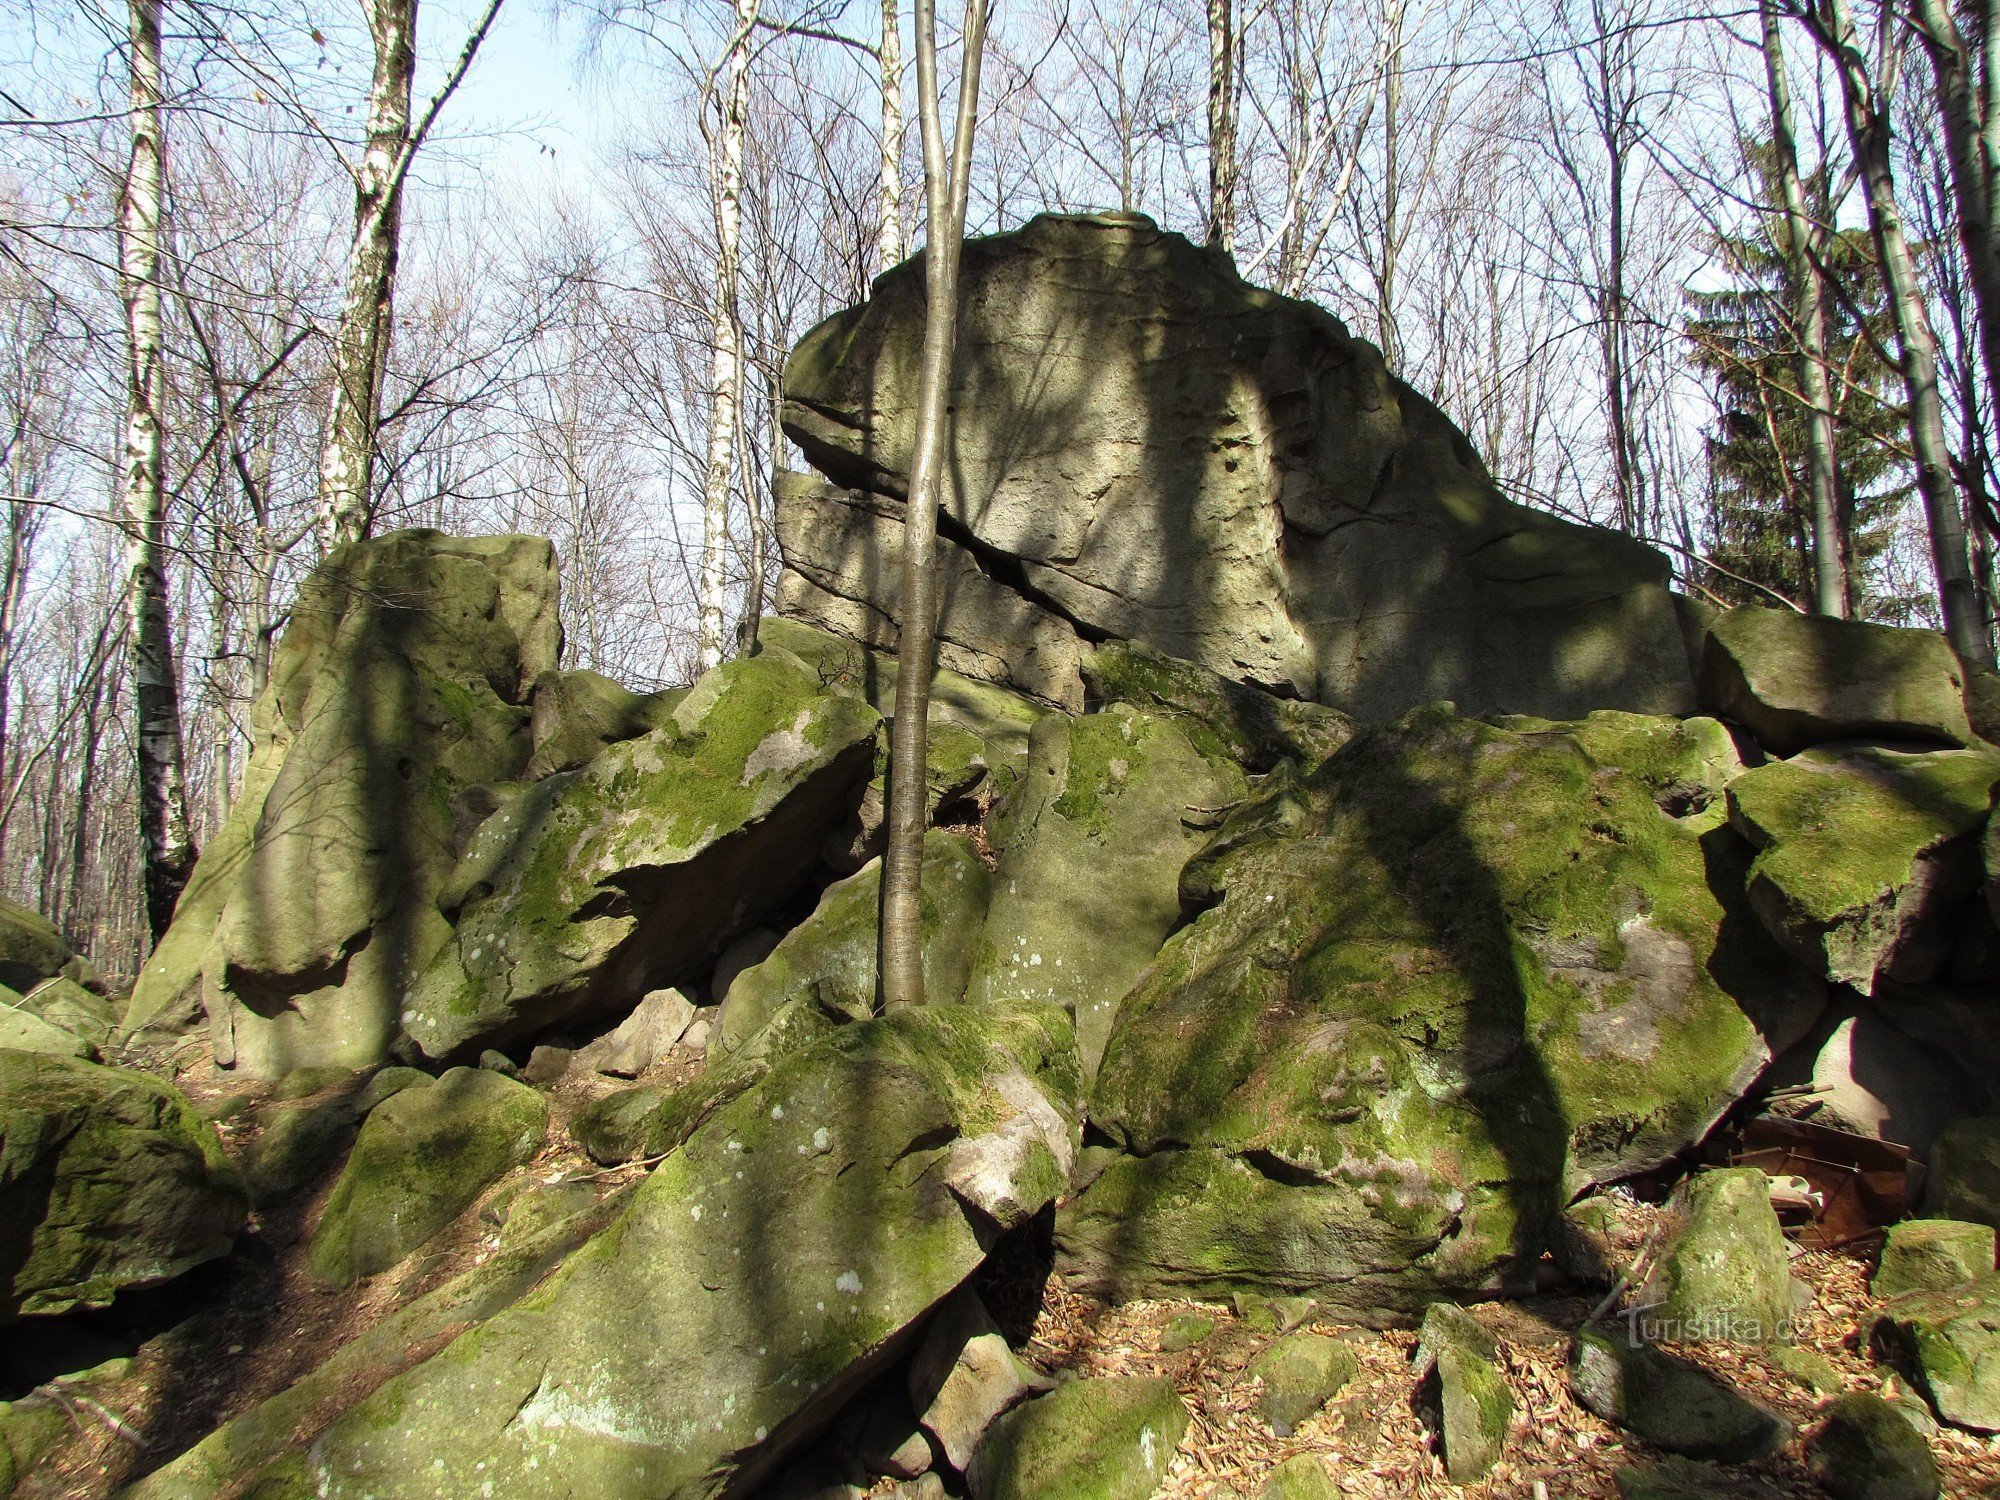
[{"x": 1339, "y": 878}]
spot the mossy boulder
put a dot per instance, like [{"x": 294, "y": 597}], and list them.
[
  {"x": 1474, "y": 1406},
  {"x": 1093, "y": 843},
  {"x": 401, "y": 685},
  {"x": 1866, "y": 855},
  {"x": 1303, "y": 1476},
  {"x": 762, "y": 1277},
  {"x": 108, "y": 1180},
  {"x": 1949, "y": 1342},
  {"x": 1932, "y": 1255},
  {"x": 1798, "y": 680},
  {"x": 600, "y": 885},
  {"x": 1964, "y": 1177},
  {"x": 1866, "y": 1449},
  {"x": 1453, "y": 977},
  {"x": 296, "y": 1145},
  {"x": 1722, "y": 1273},
  {"x": 1298, "y": 1375},
  {"x": 1254, "y": 728},
  {"x": 422, "y": 1157},
  {"x": 32, "y": 949},
  {"x": 21, "y": 1030},
  {"x": 576, "y": 714},
  {"x": 830, "y": 958},
  {"x": 1668, "y": 1402},
  {"x": 1109, "y": 1438}
]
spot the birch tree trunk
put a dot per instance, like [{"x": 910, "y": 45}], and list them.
[
  {"x": 1868, "y": 131},
  {"x": 167, "y": 843},
  {"x": 945, "y": 187},
  {"x": 1222, "y": 125},
  {"x": 1809, "y": 322},
  {"x": 361, "y": 342},
  {"x": 725, "y": 341},
  {"x": 890, "y": 247},
  {"x": 1972, "y": 145}
]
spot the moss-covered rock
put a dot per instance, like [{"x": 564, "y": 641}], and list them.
[
  {"x": 576, "y": 714},
  {"x": 1866, "y": 855},
  {"x": 1949, "y": 1341},
  {"x": 1867, "y": 1450},
  {"x": 1093, "y": 844},
  {"x": 108, "y": 1180},
  {"x": 1683, "y": 1479},
  {"x": 1298, "y": 1375},
  {"x": 760, "y": 1279},
  {"x": 1303, "y": 1476},
  {"x": 1254, "y": 728},
  {"x": 1474, "y": 1405},
  {"x": 1964, "y": 1177},
  {"x": 1186, "y": 1331},
  {"x": 1110, "y": 1438},
  {"x": 401, "y": 684},
  {"x": 23, "y": 1031},
  {"x": 31, "y": 948},
  {"x": 296, "y": 1145},
  {"x": 602, "y": 884},
  {"x": 830, "y": 958},
  {"x": 422, "y": 1157},
  {"x": 1796, "y": 680},
  {"x": 68, "y": 1007},
  {"x": 1456, "y": 975},
  {"x": 1931, "y": 1255},
  {"x": 1722, "y": 1273},
  {"x": 1668, "y": 1402}
]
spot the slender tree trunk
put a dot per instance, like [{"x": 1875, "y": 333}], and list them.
[
  {"x": 162, "y": 791},
  {"x": 1868, "y": 131},
  {"x": 74, "y": 922},
  {"x": 1222, "y": 125},
  {"x": 726, "y": 342},
  {"x": 361, "y": 343},
  {"x": 1392, "y": 124},
  {"x": 1829, "y": 543},
  {"x": 889, "y": 246},
  {"x": 902, "y": 957},
  {"x": 1970, "y": 144}
]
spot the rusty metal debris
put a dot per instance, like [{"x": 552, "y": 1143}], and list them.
[{"x": 1831, "y": 1187}]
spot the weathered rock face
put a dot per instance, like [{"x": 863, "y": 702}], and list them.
[
  {"x": 424, "y": 1154},
  {"x": 1458, "y": 973},
  {"x": 108, "y": 1180},
  {"x": 594, "y": 887},
  {"x": 1798, "y": 680},
  {"x": 1112, "y": 807},
  {"x": 32, "y": 950},
  {"x": 763, "y": 1275},
  {"x": 403, "y": 681},
  {"x": 1148, "y": 448},
  {"x": 1722, "y": 1272}
]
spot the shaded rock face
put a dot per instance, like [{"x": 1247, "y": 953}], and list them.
[
  {"x": 1455, "y": 975},
  {"x": 108, "y": 1180},
  {"x": 1148, "y": 448},
  {"x": 764, "y": 1274},
  {"x": 403, "y": 681}
]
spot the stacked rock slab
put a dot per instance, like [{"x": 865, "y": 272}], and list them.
[
  {"x": 1146, "y": 447},
  {"x": 403, "y": 681}
]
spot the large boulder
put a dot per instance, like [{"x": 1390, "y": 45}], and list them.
[
  {"x": 108, "y": 1180},
  {"x": 1949, "y": 1341},
  {"x": 1088, "y": 888},
  {"x": 1454, "y": 977},
  {"x": 1867, "y": 856},
  {"x": 1796, "y": 680},
  {"x": 594, "y": 887},
  {"x": 424, "y": 1155},
  {"x": 1147, "y": 447},
  {"x": 32, "y": 950},
  {"x": 1252, "y": 727},
  {"x": 1111, "y": 1438},
  {"x": 1722, "y": 1272},
  {"x": 402, "y": 683},
  {"x": 767, "y": 1271},
  {"x": 1873, "y": 1078},
  {"x": 829, "y": 960}
]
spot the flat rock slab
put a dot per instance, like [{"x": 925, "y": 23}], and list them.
[
  {"x": 1867, "y": 855},
  {"x": 1932, "y": 1255},
  {"x": 1797, "y": 680},
  {"x": 1669, "y": 1403},
  {"x": 766, "y": 1272},
  {"x": 1949, "y": 1340}
]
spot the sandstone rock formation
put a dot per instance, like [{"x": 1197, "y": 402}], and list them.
[{"x": 1148, "y": 448}]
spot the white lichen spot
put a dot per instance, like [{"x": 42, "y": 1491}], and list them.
[
  {"x": 849, "y": 1283},
  {"x": 820, "y": 1138},
  {"x": 777, "y": 1111}
]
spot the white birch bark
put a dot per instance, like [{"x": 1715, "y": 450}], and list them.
[{"x": 890, "y": 247}]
